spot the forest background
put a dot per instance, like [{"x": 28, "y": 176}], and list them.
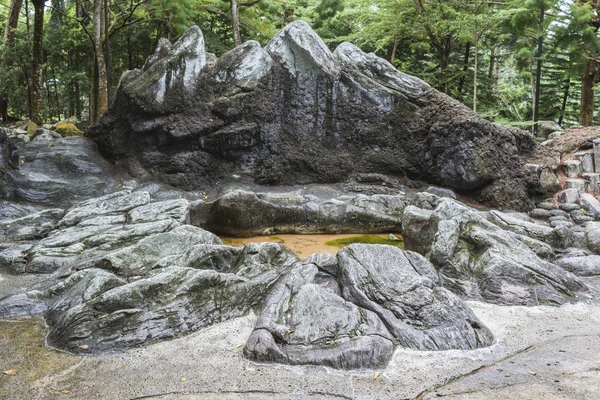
[{"x": 514, "y": 62}]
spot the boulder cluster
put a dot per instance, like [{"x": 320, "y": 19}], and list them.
[
  {"x": 294, "y": 112},
  {"x": 127, "y": 262}
]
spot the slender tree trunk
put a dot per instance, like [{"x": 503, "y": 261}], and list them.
[
  {"x": 461, "y": 82},
  {"x": 492, "y": 62},
  {"x": 538, "y": 77},
  {"x": 564, "y": 101},
  {"x": 475, "y": 69},
  {"x": 588, "y": 79},
  {"x": 12, "y": 21},
  {"x": 394, "y": 50},
  {"x": 94, "y": 92},
  {"x": 37, "y": 56},
  {"x": 106, "y": 38},
  {"x": 101, "y": 104},
  {"x": 235, "y": 23},
  {"x": 9, "y": 37}
]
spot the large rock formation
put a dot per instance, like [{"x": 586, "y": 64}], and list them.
[
  {"x": 125, "y": 270},
  {"x": 294, "y": 112}
]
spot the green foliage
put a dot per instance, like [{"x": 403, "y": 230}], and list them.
[
  {"x": 424, "y": 38},
  {"x": 364, "y": 239}
]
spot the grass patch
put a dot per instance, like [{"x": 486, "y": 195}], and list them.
[{"x": 366, "y": 239}]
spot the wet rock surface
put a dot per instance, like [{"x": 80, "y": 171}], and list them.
[
  {"x": 126, "y": 270},
  {"x": 480, "y": 260},
  {"x": 297, "y": 113}
]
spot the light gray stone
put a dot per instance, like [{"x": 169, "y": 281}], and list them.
[
  {"x": 569, "y": 196},
  {"x": 590, "y": 203},
  {"x": 587, "y": 160},
  {"x": 581, "y": 266},
  {"x": 574, "y": 183},
  {"x": 477, "y": 259},
  {"x": 572, "y": 168},
  {"x": 596, "y": 143}
]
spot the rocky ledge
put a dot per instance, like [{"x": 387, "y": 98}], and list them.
[
  {"x": 127, "y": 269},
  {"x": 296, "y": 113}
]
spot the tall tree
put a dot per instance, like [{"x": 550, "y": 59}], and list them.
[
  {"x": 590, "y": 70},
  {"x": 12, "y": 21},
  {"x": 235, "y": 18},
  {"x": 37, "y": 63}
]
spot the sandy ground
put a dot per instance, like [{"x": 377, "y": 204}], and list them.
[
  {"x": 540, "y": 353},
  {"x": 302, "y": 245}
]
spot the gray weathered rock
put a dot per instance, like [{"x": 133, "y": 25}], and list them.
[
  {"x": 590, "y": 203},
  {"x": 572, "y": 168},
  {"x": 581, "y": 266},
  {"x": 305, "y": 323},
  {"x": 479, "y": 260},
  {"x": 296, "y": 113},
  {"x": 587, "y": 159},
  {"x": 244, "y": 213},
  {"x": 33, "y": 226},
  {"x": 545, "y": 128},
  {"x": 596, "y": 144},
  {"x": 569, "y": 196},
  {"x": 402, "y": 288},
  {"x": 58, "y": 174}
]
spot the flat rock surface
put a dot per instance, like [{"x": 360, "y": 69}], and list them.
[{"x": 555, "y": 343}]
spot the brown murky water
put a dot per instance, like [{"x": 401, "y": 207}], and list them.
[{"x": 302, "y": 245}]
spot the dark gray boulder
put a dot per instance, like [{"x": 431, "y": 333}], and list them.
[
  {"x": 479, "y": 260},
  {"x": 296, "y": 113},
  {"x": 403, "y": 289},
  {"x": 303, "y": 322},
  {"x": 54, "y": 174},
  {"x": 245, "y": 213},
  {"x": 581, "y": 265}
]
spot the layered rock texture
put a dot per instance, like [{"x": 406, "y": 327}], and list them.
[
  {"x": 125, "y": 270},
  {"x": 295, "y": 113}
]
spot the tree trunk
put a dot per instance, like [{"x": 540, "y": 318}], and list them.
[
  {"x": 588, "y": 79},
  {"x": 538, "y": 76},
  {"x": 564, "y": 102},
  {"x": 461, "y": 82},
  {"x": 12, "y": 21},
  {"x": 94, "y": 92},
  {"x": 394, "y": 50},
  {"x": 475, "y": 68},
  {"x": 101, "y": 104},
  {"x": 9, "y": 37},
  {"x": 235, "y": 23},
  {"x": 37, "y": 60}
]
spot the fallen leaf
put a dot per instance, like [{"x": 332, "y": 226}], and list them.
[
  {"x": 183, "y": 379},
  {"x": 84, "y": 347},
  {"x": 237, "y": 346},
  {"x": 376, "y": 374},
  {"x": 291, "y": 331},
  {"x": 532, "y": 373},
  {"x": 10, "y": 372},
  {"x": 103, "y": 316}
]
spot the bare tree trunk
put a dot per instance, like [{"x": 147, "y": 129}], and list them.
[
  {"x": 538, "y": 76},
  {"x": 564, "y": 102},
  {"x": 9, "y": 37},
  {"x": 12, "y": 21},
  {"x": 235, "y": 23},
  {"x": 394, "y": 50},
  {"x": 588, "y": 79},
  {"x": 94, "y": 92},
  {"x": 97, "y": 33},
  {"x": 461, "y": 82},
  {"x": 475, "y": 68},
  {"x": 37, "y": 56}
]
